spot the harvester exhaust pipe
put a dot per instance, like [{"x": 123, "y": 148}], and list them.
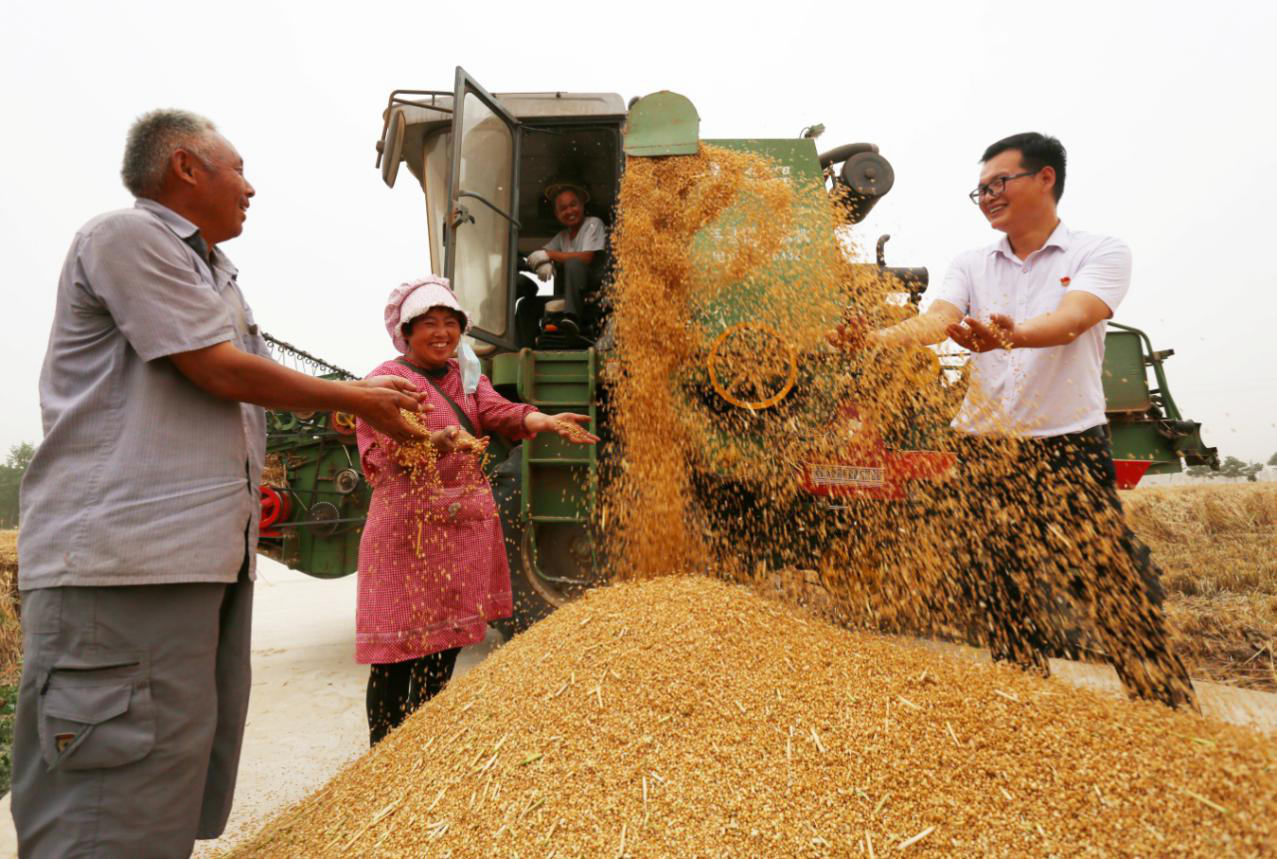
[
  {"x": 865, "y": 178},
  {"x": 914, "y": 279}
]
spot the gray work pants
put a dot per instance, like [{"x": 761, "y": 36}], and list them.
[
  {"x": 575, "y": 282},
  {"x": 130, "y": 717}
]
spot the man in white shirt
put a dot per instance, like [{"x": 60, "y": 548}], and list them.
[
  {"x": 1032, "y": 309},
  {"x": 575, "y": 255}
]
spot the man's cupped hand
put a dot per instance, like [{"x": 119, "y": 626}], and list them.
[{"x": 383, "y": 397}]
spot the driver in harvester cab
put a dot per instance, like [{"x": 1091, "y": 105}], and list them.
[{"x": 575, "y": 259}]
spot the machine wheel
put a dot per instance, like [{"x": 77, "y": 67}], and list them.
[
  {"x": 276, "y": 507},
  {"x": 563, "y": 554}
]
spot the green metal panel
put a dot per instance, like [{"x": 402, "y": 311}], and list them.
[
  {"x": 797, "y": 162},
  {"x": 559, "y": 479},
  {"x": 1144, "y": 421},
  {"x": 796, "y": 157},
  {"x": 771, "y": 293},
  {"x": 505, "y": 369},
  {"x": 1140, "y": 440},
  {"x": 559, "y": 380},
  {"x": 663, "y": 123},
  {"x": 1125, "y": 375},
  {"x": 321, "y": 533}
]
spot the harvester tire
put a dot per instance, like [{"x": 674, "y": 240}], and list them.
[
  {"x": 530, "y": 602},
  {"x": 529, "y": 605}
]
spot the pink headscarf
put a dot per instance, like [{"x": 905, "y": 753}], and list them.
[{"x": 409, "y": 300}]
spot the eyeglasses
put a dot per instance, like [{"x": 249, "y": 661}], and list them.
[{"x": 995, "y": 187}]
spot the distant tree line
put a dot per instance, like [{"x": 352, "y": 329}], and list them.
[
  {"x": 1231, "y": 467},
  {"x": 15, "y": 465}
]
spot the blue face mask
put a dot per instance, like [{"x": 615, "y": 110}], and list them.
[{"x": 470, "y": 369}]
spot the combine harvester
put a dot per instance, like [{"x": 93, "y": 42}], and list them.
[{"x": 482, "y": 162}]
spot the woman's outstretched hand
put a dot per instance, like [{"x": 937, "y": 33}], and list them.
[
  {"x": 444, "y": 441},
  {"x": 566, "y": 424}
]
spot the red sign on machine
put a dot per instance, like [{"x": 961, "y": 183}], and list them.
[
  {"x": 886, "y": 478},
  {"x": 875, "y": 471},
  {"x": 871, "y": 469}
]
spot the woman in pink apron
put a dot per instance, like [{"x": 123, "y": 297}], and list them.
[{"x": 432, "y": 563}]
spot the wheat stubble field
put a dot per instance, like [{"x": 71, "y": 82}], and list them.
[{"x": 1217, "y": 547}]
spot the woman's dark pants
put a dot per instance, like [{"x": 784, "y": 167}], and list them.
[{"x": 397, "y": 689}]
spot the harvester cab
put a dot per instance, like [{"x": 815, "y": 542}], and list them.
[{"x": 483, "y": 162}]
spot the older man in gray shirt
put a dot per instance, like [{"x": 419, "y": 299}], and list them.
[{"x": 140, "y": 510}]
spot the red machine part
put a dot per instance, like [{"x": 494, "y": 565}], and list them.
[
  {"x": 872, "y": 470},
  {"x": 882, "y": 474},
  {"x": 276, "y": 508},
  {"x": 1130, "y": 471},
  {"x": 342, "y": 422}
]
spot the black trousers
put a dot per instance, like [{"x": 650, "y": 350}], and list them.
[
  {"x": 1045, "y": 539},
  {"x": 574, "y": 282},
  {"x": 397, "y": 689}
]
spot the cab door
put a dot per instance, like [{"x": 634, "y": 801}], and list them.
[{"x": 481, "y": 234}]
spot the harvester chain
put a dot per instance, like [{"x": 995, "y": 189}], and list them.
[{"x": 303, "y": 360}]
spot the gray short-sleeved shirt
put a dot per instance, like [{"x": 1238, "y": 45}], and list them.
[
  {"x": 142, "y": 478},
  {"x": 592, "y": 236}
]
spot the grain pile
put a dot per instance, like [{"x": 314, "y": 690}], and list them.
[
  {"x": 684, "y": 716},
  {"x": 1216, "y": 546}
]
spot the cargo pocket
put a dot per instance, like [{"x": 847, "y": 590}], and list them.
[{"x": 93, "y": 718}]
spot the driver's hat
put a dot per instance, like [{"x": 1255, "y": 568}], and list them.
[{"x": 554, "y": 189}]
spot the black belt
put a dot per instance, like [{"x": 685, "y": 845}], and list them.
[{"x": 1100, "y": 431}]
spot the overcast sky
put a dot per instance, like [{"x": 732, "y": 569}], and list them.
[{"x": 1165, "y": 108}]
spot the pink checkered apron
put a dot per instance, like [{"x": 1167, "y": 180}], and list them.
[{"x": 432, "y": 563}]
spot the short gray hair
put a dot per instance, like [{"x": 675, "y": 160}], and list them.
[{"x": 152, "y": 140}]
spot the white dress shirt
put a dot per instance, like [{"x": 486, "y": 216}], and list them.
[{"x": 1037, "y": 392}]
